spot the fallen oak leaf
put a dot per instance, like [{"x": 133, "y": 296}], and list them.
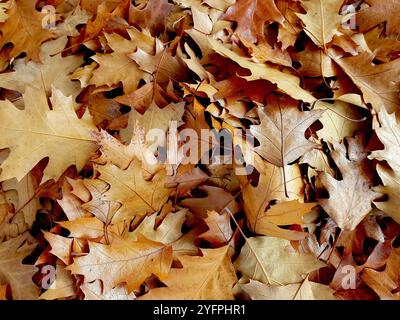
[
  {"x": 62, "y": 287},
  {"x": 18, "y": 275},
  {"x": 378, "y": 82},
  {"x": 123, "y": 261},
  {"x": 136, "y": 195},
  {"x": 280, "y": 261},
  {"x": 390, "y": 188},
  {"x": 153, "y": 14},
  {"x": 217, "y": 199},
  {"x": 95, "y": 291},
  {"x": 322, "y": 20},
  {"x": 206, "y": 277},
  {"x": 184, "y": 181},
  {"x": 350, "y": 198},
  {"x": 38, "y": 132},
  {"x": 61, "y": 247},
  {"x": 153, "y": 118},
  {"x": 101, "y": 208},
  {"x": 84, "y": 228},
  {"x": 281, "y": 132},
  {"x": 270, "y": 188},
  {"x": 282, "y": 129},
  {"x": 377, "y": 12},
  {"x": 287, "y": 82},
  {"x": 24, "y": 29},
  {"x": 387, "y": 128},
  {"x": 306, "y": 290},
  {"x": 167, "y": 232},
  {"x": 385, "y": 282},
  {"x": 53, "y": 71},
  {"x": 251, "y": 16},
  {"x": 219, "y": 228}
]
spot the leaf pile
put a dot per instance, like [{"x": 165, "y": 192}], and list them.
[{"x": 87, "y": 210}]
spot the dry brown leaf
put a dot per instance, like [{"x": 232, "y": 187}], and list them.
[
  {"x": 124, "y": 262},
  {"x": 282, "y": 129},
  {"x": 251, "y": 17},
  {"x": 38, "y": 132},
  {"x": 136, "y": 195},
  {"x": 22, "y": 16},
  {"x": 210, "y": 276},
  {"x": 306, "y": 290},
  {"x": 350, "y": 198},
  {"x": 12, "y": 272},
  {"x": 275, "y": 261}
]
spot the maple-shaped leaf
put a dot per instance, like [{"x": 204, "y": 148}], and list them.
[
  {"x": 388, "y": 130},
  {"x": 282, "y": 129},
  {"x": 251, "y": 16},
  {"x": 322, "y": 19},
  {"x": 377, "y": 12},
  {"x": 350, "y": 198},
  {"x": 390, "y": 188},
  {"x": 18, "y": 275},
  {"x": 54, "y": 70},
  {"x": 24, "y": 29},
  {"x": 306, "y": 290},
  {"x": 275, "y": 261},
  {"x": 129, "y": 262},
  {"x": 209, "y": 277},
  {"x": 37, "y": 132},
  {"x": 137, "y": 196},
  {"x": 379, "y": 83}
]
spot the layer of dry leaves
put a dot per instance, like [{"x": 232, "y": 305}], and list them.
[{"x": 78, "y": 196}]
